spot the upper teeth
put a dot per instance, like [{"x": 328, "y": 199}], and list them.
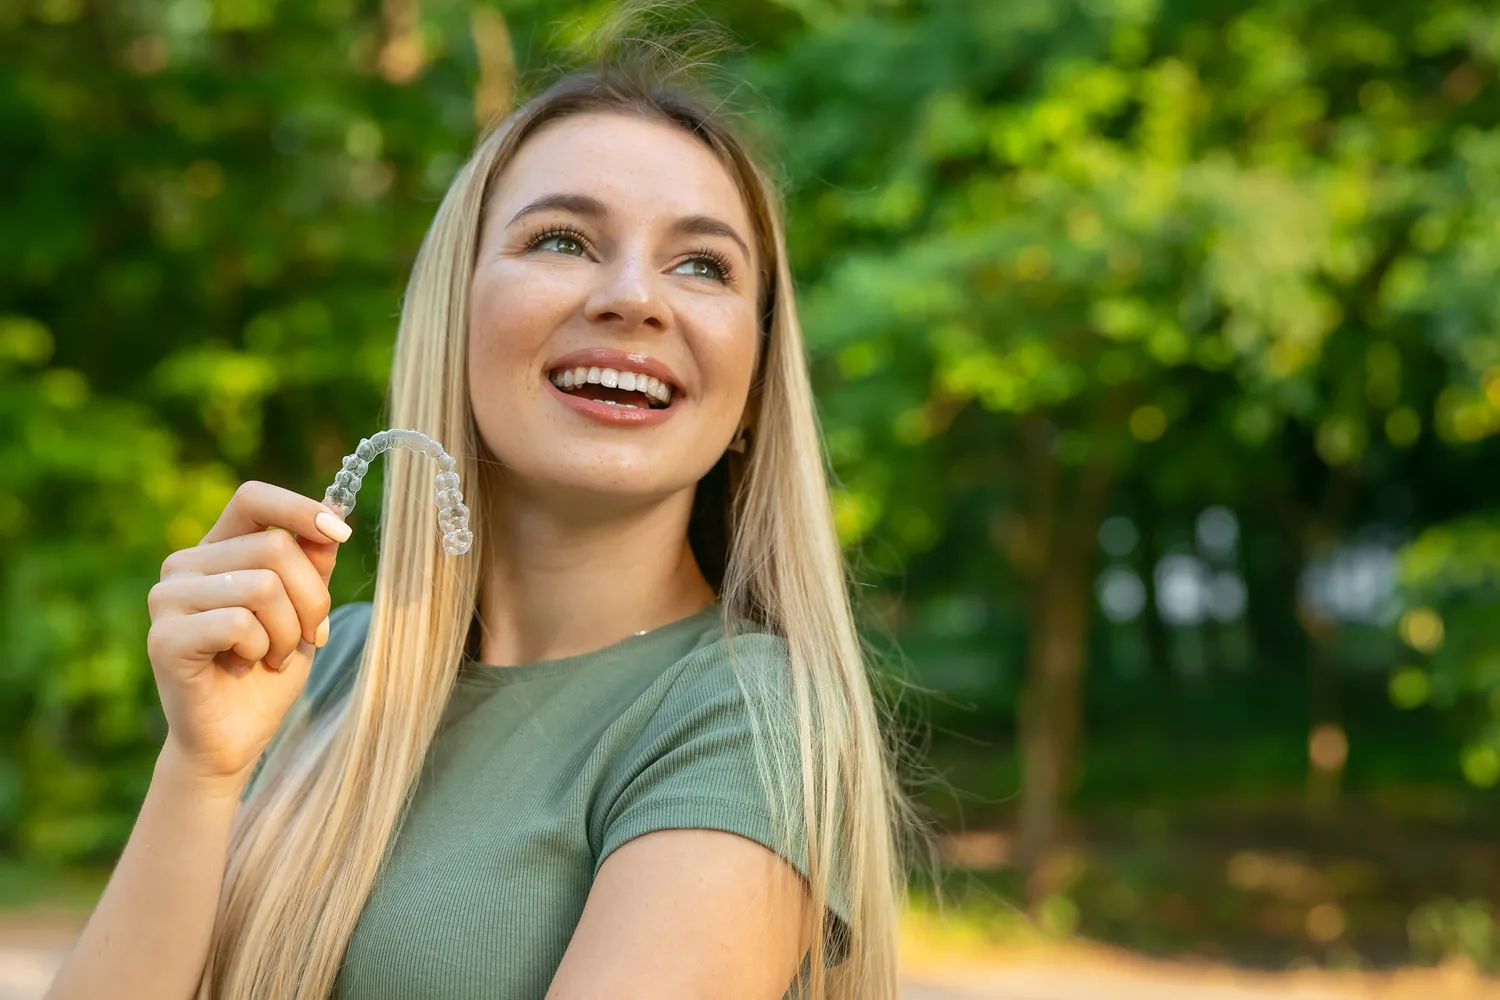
[{"x": 567, "y": 378}]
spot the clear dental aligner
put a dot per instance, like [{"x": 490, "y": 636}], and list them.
[{"x": 453, "y": 516}]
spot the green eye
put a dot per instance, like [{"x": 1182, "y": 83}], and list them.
[
  {"x": 562, "y": 244},
  {"x": 701, "y": 267}
]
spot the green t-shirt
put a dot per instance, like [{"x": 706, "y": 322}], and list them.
[{"x": 537, "y": 773}]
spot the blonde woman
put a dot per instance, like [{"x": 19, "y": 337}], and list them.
[{"x": 626, "y": 746}]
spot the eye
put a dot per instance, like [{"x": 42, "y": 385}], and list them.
[
  {"x": 706, "y": 264},
  {"x": 568, "y": 241}
]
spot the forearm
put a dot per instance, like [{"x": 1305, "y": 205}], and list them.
[{"x": 149, "y": 935}]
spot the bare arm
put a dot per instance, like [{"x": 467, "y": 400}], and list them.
[
  {"x": 235, "y": 621},
  {"x": 687, "y": 915},
  {"x": 149, "y": 935}
]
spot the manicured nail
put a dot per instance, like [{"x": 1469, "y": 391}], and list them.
[
  {"x": 321, "y": 639},
  {"x": 333, "y": 527}
]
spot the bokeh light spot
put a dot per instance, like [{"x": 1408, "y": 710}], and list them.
[
  {"x": 1328, "y": 747},
  {"x": 1410, "y": 688},
  {"x": 1481, "y": 765},
  {"x": 1148, "y": 423},
  {"x": 1422, "y": 629},
  {"x": 1326, "y": 923}
]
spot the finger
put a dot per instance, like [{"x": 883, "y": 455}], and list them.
[
  {"x": 258, "y": 590},
  {"x": 262, "y": 591},
  {"x": 321, "y": 555},
  {"x": 272, "y": 549},
  {"x": 205, "y": 635},
  {"x": 256, "y": 506}
]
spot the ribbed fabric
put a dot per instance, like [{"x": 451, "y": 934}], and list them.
[{"x": 537, "y": 774}]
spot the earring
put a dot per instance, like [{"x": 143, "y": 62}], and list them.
[{"x": 741, "y": 442}]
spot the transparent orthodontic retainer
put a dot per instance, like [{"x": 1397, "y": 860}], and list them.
[{"x": 453, "y": 516}]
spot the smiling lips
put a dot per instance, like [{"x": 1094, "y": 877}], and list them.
[{"x": 616, "y": 388}]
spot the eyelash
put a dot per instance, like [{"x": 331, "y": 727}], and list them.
[{"x": 719, "y": 260}]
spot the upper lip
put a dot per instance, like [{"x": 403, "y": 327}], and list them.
[{"x": 620, "y": 361}]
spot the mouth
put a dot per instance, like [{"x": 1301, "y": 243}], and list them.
[{"x": 613, "y": 386}]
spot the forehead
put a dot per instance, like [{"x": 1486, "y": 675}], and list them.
[{"x": 645, "y": 169}]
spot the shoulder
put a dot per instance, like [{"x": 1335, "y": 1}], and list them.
[
  {"x": 712, "y": 709},
  {"x": 749, "y": 658},
  {"x": 727, "y": 681},
  {"x": 722, "y": 750}
]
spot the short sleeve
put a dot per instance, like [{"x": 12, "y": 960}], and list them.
[
  {"x": 696, "y": 765},
  {"x": 331, "y": 677}
]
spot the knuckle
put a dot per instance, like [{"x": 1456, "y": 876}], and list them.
[
  {"x": 154, "y": 641},
  {"x": 282, "y": 546},
  {"x": 243, "y": 621},
  {"x": 265, "y": 584},
  {"x": 156, "y": 599},
  {"x": 172, "y": 563},
  {"x": 247, "y": 492}
]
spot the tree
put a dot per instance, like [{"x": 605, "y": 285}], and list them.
[
  {"x": 1062, "y": 237},
  {"x": 210, "y": 212}
]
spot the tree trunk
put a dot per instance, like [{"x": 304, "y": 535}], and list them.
[
  {"x": 1062, "y": 531},
  {"x": 1051, "y": 710}
]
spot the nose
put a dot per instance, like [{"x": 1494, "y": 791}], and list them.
[{"x": 628, "y": 295}]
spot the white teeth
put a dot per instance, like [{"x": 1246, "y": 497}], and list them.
[{"x": 647, "y": 385}]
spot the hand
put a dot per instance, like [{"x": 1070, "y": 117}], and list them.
[{"x": 234, "y": 624}]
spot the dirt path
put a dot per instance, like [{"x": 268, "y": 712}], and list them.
[
  {"x": 30, "y": 953},
  {"x": 1090, "y": 972}
]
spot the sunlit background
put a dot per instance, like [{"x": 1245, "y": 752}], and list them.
[{"x": 1157, "y": 355}]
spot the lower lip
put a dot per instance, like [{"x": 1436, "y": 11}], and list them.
[{"x": 615, "y": 416}]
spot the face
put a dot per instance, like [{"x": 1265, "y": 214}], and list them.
[{"x": 616, "y": 256}]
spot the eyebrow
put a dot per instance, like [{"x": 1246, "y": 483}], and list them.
[{"x": 586, "y": 205}]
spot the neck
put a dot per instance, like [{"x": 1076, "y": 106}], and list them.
[{"x": 562, "y": 581}]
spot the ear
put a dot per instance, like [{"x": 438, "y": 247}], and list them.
[{"x": 740, "y": 443}]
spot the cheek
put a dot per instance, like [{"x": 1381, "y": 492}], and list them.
[
  {"x": 730, "y": 358},
  {"x": 511, "y": 317}
]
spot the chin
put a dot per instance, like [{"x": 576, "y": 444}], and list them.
[{"x": 592, "y": 480}]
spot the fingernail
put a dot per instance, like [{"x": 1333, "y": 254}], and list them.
[
  {"x": 333, "y": 527},
  {"x": 321, "y": 638}
]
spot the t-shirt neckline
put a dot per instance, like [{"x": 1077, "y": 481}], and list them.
[{"x": 477, "y": 672}]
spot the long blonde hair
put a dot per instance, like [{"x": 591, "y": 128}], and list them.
[{"x": 307, "y": 848}]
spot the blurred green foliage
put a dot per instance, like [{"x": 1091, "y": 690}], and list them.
[{"x": 1070, "y": 271}]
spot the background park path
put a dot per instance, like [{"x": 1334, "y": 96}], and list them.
[{"x": 32, "y": 947}]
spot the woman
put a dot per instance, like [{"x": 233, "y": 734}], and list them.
[{"x": 626, "y": 746}]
